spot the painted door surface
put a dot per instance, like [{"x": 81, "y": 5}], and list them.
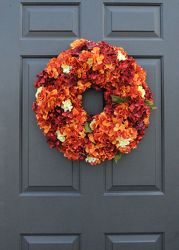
[{"x": 50, "y": 203}]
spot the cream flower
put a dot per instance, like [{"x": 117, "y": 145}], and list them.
[
  {"x": 141, "y": 89},
  {"x": 89, "y": 61},
  {"x": 120, "y": 56},
  {"x": 90, "y": 159},
  {"x": 67, "y": 105},
  {"x": 60, "y": 137},
  {"x": 66, "y": 68},
  {"x": 123, "y": 142},
  {"x": 38, "y": 91}
]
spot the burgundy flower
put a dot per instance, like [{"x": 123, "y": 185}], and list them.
[{"x": 52, "y": 140}]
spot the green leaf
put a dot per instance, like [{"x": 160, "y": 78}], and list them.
[
  {"x": 118, "y": 99},
  {"x": 118, "y": 156},
  {"x": 87, "y": 128},
  {"x": 150, "y": 104}
]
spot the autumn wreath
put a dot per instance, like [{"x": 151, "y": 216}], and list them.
[{"x": 59, "y": 111}]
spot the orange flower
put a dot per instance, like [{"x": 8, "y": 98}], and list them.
[{"x": 77, "y": 43}]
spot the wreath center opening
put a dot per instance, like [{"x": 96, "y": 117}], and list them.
[{"x": 93, "y": 101}]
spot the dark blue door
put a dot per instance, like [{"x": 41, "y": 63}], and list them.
[{"x": 48, "y": 202}]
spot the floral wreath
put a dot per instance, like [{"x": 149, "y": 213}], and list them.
[{"x": 59, "y": 111}]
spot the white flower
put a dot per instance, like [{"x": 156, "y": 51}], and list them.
[
  {"x": 120, "y": 56},
  {"x": 67, "y": 105},
  {"x": 90, "y": 159},
  {"x": 38, "y": 91},
  {"x": 93, "y": 121},
  {"x": 60, "y": 137},
  {"x": 66, "y": 68},
  {"x": 123, "y": 142},
  {"x": 141, "y": 89}
]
